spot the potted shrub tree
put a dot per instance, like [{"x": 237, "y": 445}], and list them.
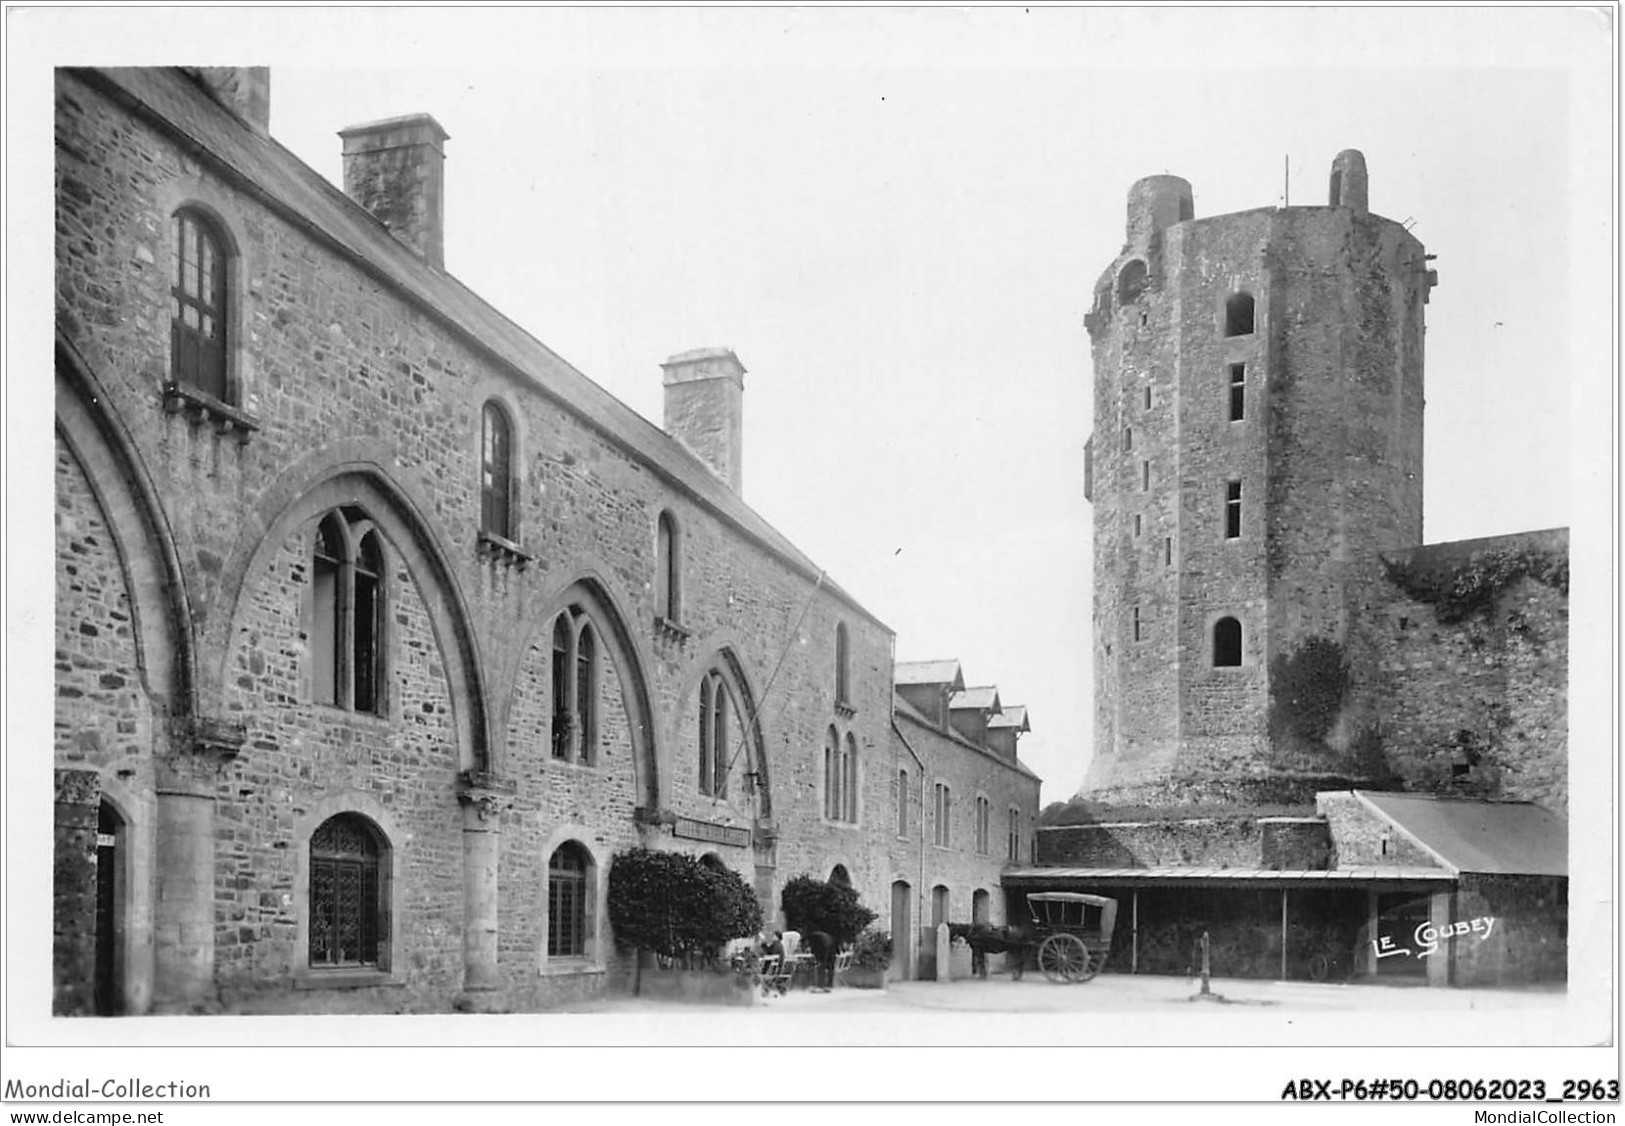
[
  {"x": 671, "y": 907},
  {"x": 812, "y": 905},
  {"x": 871, "y": 958}
]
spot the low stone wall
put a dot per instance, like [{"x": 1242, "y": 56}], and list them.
[
  {"x": 698, "y": 987},
  {"x": 1275, "y": 842}
]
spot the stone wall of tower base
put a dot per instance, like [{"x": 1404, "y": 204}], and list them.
[{"x": 73, "y": 899}]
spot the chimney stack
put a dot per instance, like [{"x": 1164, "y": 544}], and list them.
[
  {"x": 245, "y": 90},
  {"x": 396, "y": 169},
  {"x": 705, "y": 395}
]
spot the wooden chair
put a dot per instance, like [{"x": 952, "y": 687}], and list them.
[{"x": 843, "y": 962}]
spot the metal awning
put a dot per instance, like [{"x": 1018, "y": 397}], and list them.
[{"x": 1079, "y": 878}]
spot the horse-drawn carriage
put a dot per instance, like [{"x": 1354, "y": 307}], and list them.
[{"x": 1070, "y": 931}]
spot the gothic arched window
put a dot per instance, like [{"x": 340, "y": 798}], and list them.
[
  {"x": 575, "y": 688},
  {"x": 668, "y": 573},
  {"x": 496, "y": 472},
  {"x": 347, "y": 630}
]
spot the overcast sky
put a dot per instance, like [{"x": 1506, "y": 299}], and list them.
[{"x": 896, "y": 219}]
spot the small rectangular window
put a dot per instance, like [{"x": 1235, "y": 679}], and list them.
[
  {"x": 1168, "y": 551},
  {"x": 1137, "y": 525},
  {"x": 1232, "y": 510},
  {"x": 1136, "y": 623},
  {"x": 1148, "y": 397},
  {"x": 1238, "y": 392},
  {"x": 1145, "y": 476},
  {"x": 1128, "y": 437}
]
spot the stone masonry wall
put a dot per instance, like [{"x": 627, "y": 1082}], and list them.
[
  {"x": 362, "y": 398},
  {"x": 1478, "y": 707}
]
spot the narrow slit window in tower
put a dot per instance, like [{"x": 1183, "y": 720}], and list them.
[
  {"x": 1238, "y": 392},
  {"x": 1137, "y": 525},
  {"x": 1145, "y": 475},
  {"x": 1128, "y": 438},
  {"x": 1232, "y": 510},
  {"x": 1136, "y": 623},
  {"x": 1148, "y": 397},
  {"x": 1168, "y": 551}
]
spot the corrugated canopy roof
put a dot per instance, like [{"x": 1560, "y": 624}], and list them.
[
  {"x": 930, "y": 672},
  {"x": 984, "y": 697},
  {"x": 1128, "y": 877},
  {"x": 1495, "y": 838},
  {"x": 264, "y": 166}
]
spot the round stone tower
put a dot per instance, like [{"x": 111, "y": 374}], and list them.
[{"x": 1257, "y": 443}]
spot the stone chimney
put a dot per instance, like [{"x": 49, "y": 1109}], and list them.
[
  {"x": 705, "y": 395},
  {"x": 244, "y": 90},
  {"x": 396, "y": 170}
]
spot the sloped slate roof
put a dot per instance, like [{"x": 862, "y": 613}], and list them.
[
  {"x": 983, "y": 696},
  {"x": 902, "y": 709},
  {"x": 1492, "y": 838},
  {"x": 929, "y": 672},
  {"x": 265, "y": 169},
  {"x": 1013, "y": 715}
]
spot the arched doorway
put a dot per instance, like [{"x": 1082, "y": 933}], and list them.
[
  {"x": 108, "y": 989},
  {"x": 902, "y": 926},
  {"x": 839, "y": 877},
  {"x": 979, "y": 907}
]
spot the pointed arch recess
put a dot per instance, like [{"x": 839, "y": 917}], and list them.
[
  {"x": 723, "y": 656},
  {"x": 620, "y": 645},
  {"x": 353, "y": 473},
  {"x": 142, "y": 537}
]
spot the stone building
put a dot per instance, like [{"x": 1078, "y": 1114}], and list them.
[
  {"x": 380, "y": 628},
  {"x": 1270, "y": 630},
  {"x": 973, "y": 810}
]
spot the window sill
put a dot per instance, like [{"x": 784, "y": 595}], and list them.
[
  {"x": 201, "y": 407},
  {"x": 357, "y": 978},
  {"x": 569, "y": 967},
  {"x": 573, "y": 763},
  {"x": 494, "y": 548},
  {"x": 334, "y": 712}
]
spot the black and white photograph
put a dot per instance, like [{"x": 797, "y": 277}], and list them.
[{"x": 948, "y": 554}]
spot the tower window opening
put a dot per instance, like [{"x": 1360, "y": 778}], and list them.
[
  {"x": 1226, "y": 644},
  {"x": 1238, "y": 392},
  {"x": 1145, "y": 475},
  {"x": 1137, "y": 525},
  {"x": 1136, "y": 623},
  {"x": 1128, "y": 438},
  {"x": 1168, "y": 551},
  {"x": 1232, "y": 510},
  {"x": 1238, "y": 314},
  {"x": 1131, "y": 283},
  {"x": 1148, "y": 397}
]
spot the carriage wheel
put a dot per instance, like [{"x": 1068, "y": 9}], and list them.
[
  {"x": 1097, "y": 962},
  {"x": 1064, "y": 957}
]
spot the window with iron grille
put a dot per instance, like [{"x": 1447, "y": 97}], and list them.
[
  {"x": 347, "y": 602},
  {"x": 496, "y": 472},
  {"x": 346, "y": 907},
  {"x": 197, "y": 290},
  {"x": 1238, "y": 392},
  {"x": 567, "y": 887}
]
